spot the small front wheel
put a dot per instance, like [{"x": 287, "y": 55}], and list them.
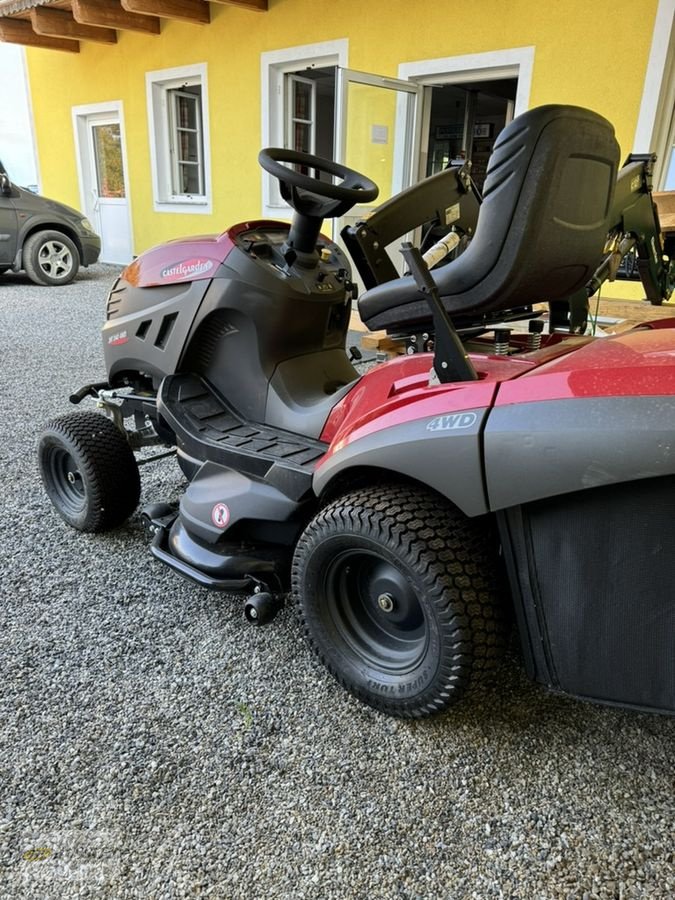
[
  {"x": 396, "y": 591},
  {"x": 89, "y": 471},
  {"x": 260, "y": 608}
]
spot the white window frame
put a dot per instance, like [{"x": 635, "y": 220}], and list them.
[
  {"x": 655, "y": 127},
  {"x": 274, "y": 66},
  {"x": 516, "y": 62},
  {"x": 163, "y": 162},
  {"x": 174, "y": 132},
  {"x": 291, "y": 119}
]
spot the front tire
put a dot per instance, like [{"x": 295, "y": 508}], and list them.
[
  {"x": 89, "y": 471},
  {"x": 50, "y": 258},
  {"x": 396, "y": 592}
]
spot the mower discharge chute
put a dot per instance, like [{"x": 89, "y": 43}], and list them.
[{"x": 409, "y": 510}]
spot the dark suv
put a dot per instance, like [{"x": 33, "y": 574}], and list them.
[{"x": 49, "y": 240}]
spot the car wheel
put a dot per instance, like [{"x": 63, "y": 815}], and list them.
[
  {"x": 397, "y": 595},
  {"x": 51, "y": 258},
  {"x": 89, "y": 471}
]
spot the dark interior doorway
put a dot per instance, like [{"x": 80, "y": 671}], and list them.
[{"x": 465, "y": 121}]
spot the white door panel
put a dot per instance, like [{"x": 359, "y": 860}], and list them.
[{"x": 103, "y": 180}]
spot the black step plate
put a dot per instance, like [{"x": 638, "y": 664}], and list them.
[{"x": 207, "y": 428}]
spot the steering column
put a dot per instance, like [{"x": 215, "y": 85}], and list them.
[{"x": 312, "y": 199}]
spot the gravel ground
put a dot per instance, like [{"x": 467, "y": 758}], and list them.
[{"x": 153, "y": 745}]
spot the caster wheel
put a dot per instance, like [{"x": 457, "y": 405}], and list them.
[{"x": 260, "y": 609}]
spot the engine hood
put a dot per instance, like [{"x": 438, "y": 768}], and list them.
[
  {"x": 186, "y": 259},
  {"x": 638, "y": 363}
]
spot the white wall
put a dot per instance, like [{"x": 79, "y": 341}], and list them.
[{"x": 17, "y": 148}]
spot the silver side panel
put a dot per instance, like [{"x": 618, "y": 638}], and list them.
[
  {"x": 443, "y": 452},
  {"x": 536, "y": 450}
]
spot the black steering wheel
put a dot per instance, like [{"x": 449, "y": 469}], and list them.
[{"x": 311, "y": 196}]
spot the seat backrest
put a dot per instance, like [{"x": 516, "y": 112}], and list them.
[{"x": 541, "y": 227}]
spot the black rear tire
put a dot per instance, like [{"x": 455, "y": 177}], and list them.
[
  {"x": 89, "y": 471},
  {"x": 50, "y": 258},
  {"x": 397, "y": 594}
]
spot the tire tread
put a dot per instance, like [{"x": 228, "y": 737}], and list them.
[
  {"x": 452, "y": 559},
  {"x": 108, "y": 463}
]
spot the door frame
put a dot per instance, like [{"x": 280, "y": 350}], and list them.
[
  {"x": 405, "y": 139},
  {"x": 274, "y": 65},
  {"x": 405, "y": 151},
  {"x": 656, "y": 117},
  {"x": 81, "y": 130},
  {"x": 516, "y": 62}
]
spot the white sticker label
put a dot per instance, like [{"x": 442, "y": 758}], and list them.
[
  {"x": 220, "y": 515},
  {"x": 379, "y": 134},
  {"x": 452, "y": 214}
]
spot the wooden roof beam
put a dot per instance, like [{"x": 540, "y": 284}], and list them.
[
  {"x": 195, "y": 11},
  {"x": 256, "y": 5},
  {"x": 109, "y": 14},
  {"x": 60, "y": 24},
  {"x": 18, "y": 31}
]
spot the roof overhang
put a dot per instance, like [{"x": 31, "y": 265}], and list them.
[{"x": 62, "y": 24}]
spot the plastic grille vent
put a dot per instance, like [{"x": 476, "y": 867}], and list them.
[
  {"x": 113, "y": 301},
  {"x": 165, "y": 330},
  {"x": 142, "y": 330}
]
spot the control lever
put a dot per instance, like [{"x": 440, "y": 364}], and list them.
[{"x": 451, "y": 362}]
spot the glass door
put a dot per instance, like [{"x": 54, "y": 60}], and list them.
[
  {"x": 108, "y": 193},
  {"x": 377, "y": 132}
]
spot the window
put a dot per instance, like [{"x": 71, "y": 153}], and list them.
[
  {"x": 298, "y": 105},
  {"x": 178, "y": 123},
  {"x": 301, "y": 105},
  {"x": 186, "y": 141}
]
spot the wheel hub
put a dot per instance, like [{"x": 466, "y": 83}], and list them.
[
  {"x": 55, "y": 259},
  {"x": 66, "y": 479},
  {"x": 386, "y": 603},
  {"x": 376, "y": 611}
]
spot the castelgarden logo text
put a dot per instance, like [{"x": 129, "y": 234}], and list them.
[{"x": 188, "y": 268}]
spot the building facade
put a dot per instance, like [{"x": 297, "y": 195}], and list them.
[
  {"x": 149, "y": 114},
  {"x": 17, "y": 151}
]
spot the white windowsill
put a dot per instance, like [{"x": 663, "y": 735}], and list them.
[{"x": 190, "y": 207}]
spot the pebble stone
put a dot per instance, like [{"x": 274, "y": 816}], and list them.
[{"x": 154, "y": 745}]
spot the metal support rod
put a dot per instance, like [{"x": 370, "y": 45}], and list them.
[{"x": 451, "y": 362}]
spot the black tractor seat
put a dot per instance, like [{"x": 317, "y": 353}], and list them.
[{"x": 541, "y": 227}]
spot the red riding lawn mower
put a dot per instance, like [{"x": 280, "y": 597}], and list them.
[{"x": 412, "y": 511}]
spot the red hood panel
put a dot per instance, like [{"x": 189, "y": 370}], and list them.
[
  {"x": 187, "y": 259},
  {"x": 639, "y": 362},
  {"x": 399, "y": 391}
]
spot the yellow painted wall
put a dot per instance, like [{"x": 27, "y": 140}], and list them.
[{"x": 593, "y": 54}]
